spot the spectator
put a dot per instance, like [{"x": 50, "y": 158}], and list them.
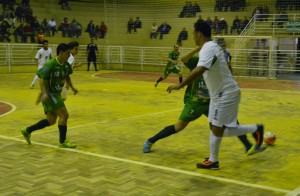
[
  {"x": 137, "y": 23},
  {"x": 65, "y": 5},
  {"x": 25, "y": 3},
  {"x": 19, "y": 32},
  {"x": 44, "y": 27},
  {"x": 65, "y": 28},
  {"x": 91, "y": 29},
  {"x": 236, "y": 24},
  {"x": 130, "y": 25},
  {"x": 200, "y": 18},
  {"x": 215, "y": 25},
  {"x": 102, "y": 30},
  {"x": 20, "y": 13},
  {"x": 183, "y": 35},
  {"x": 209, "y": 22},
  {"x": 4, "y": 30},
  {"x": 196, "y": 7},
  {"x": 28, "y": 32},
  {"x": 75, "y": 29},
  {"x": 154, "y": 30},
  {"x": 164, "y": 29},
  {"x": 52, "y": 26},
  {"x": 28, "y": 14},
  {"x": 35, "y": 25},
  {"x": 40, "y": 36},
  {"x": 244, "y": 23},
  {"x": 223, "y": 26},
  {"x": 283, "y": 17}
]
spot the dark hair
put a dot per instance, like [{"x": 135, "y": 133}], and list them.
[
  {"x": 62, "y": 48},
  {"x": 203, "y": 27},
  {"x": 73, "y": 44},
  {"x": 45, "y": 41}
]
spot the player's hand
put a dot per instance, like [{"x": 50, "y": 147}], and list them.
[
  {"x": 41, "y": 98},
  {"x": 173, "y": 87},
  {"x": 75, "y": 91}
]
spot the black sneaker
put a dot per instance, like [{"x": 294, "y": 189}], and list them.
[
  {"x": 259, "y": 135},
  {"x": 207, "y": 164}
]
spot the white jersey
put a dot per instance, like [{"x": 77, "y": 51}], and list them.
[
  {"x": 218, "y": 77},
  {"x": 43, "y": 56},
  {"x": 71, "y": 60}
]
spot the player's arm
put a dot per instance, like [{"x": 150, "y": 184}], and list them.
[
  {"x": 186, "y": 57},
  {"x": 196, "y": 73},
  {"x": 43, "y": 96},
  {"x": 69, "y": 83}
]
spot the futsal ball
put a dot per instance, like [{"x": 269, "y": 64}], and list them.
[{"x": 269, "y": 138}]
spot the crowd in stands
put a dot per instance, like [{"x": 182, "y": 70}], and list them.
[
  {"x": 190, "y": 10},
  {"x": 17, "y": 20},
  {"x": 132, "y": 25},
  {"x": 287, "y": 4},
  {"x": 229, "y": 5}
]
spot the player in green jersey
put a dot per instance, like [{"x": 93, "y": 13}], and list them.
[
  {"x": 196, "y": 104},
  {"x": 171, "y": 66},
  {"x": 53, "y": 76}
]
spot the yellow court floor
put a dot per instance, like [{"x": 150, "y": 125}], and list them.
[{"x": 110, "y": 119}]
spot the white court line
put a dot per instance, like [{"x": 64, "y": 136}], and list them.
[
  {"x": 159, "y": 167},
  {"x": 295, "y": 192},
  {"x": 101, "y": 122},
  {"x": 12, "y": 110}
]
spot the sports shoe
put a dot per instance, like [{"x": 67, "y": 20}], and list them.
[
  {"x": 207, "y": 164},
  {"x": 67, "y": 144},
  {"x": 254, "y": 149},
  {"x": 155, "y": 84},
  {"x": 32, "y": 86},
  {"x": 259, "y": 135},
  {"x": 26, "y": 135},
  {"x": 147, "y": 146}
]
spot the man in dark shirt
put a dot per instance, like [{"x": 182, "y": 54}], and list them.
[{"x": 92, "y": 49}]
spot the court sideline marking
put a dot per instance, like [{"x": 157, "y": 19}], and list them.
[
  {"x": 107, "y": 121},
  {"x": 159, "y": 167}
]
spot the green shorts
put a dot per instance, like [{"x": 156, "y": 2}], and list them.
[
  {"x": 174, "y": 69},
  {"x": 193, "y": 110},
  {"x": 53, "y": 103}
]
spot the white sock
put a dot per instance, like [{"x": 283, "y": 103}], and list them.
[
  {"x": 35, "y": 79},
  {"x": 239, "y": 130},
  {"x": 214, "y": 144}
]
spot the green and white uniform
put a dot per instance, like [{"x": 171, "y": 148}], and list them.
[
  {"x": 170, "y": 67},
  {"x": 54, "y": 75},
  {"x": 196, "y": 97}
]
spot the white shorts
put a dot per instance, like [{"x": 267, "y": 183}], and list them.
[
  {"x": 223, "y": 111},
  {"x": 64, "y": 92}
]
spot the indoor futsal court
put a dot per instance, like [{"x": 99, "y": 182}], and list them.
[{"x": 110, "y": 119}]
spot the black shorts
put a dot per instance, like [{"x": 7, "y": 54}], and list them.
[{"x": 91, "y": 59}]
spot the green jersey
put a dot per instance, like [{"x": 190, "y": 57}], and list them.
[
  {"x": 197, "y": 91},
  {"x": 174, "y": 56},
  {"x": 55, "y": 75}
]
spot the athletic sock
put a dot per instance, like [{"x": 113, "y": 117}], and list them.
[
  {"x": 167, "y": 131},
  {"x": 62, "y": 133},
  {"x": 245, "y": 141},
  {"x": 180, "y": 80},
  {"x": 39, "y": 125},
  {"x": 160, "y": 79},
  {"x": 214, "y": 144},
  {"x": 239, "y": 130}
]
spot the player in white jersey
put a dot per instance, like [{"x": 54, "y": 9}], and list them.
[
  {"x": 224, "y": 93},
  {"x": 74, "y": 46},
  {"x": 42, "y": 56}
]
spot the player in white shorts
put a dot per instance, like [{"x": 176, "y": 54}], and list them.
[
  {"x": 74, "y": 46},
  {"x": 42, "y": 56},
  {"x": 224, "y": 93}
]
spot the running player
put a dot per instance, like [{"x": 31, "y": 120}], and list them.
[
  {"x": 171, "y": 66},
  {"x": 224, "y": 93},
  {"x": 196, "y": 104},
  {"x": 42, "y": 56},
  {"x": 52, "y": 78},
  {"x": 74, "y": 46}
]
